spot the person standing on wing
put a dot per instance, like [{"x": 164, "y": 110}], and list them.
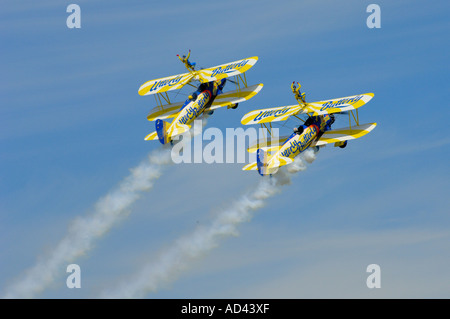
[
  {"x": 298, "y": 95},
  {"x": 187, "y": 63}
]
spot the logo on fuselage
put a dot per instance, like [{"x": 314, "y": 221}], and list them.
[
  {"x": 300, "y": 145},
  {"x": 196, "y": 108}
]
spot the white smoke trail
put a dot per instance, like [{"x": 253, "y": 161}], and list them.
[
  {"x": 177, "y": 257},
  {"x": 85, "y": 230}
]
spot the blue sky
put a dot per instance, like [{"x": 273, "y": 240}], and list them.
[{"x": 73, "y": 127}]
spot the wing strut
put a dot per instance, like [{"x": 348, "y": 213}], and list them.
[
  {"x": 166, "y": 97},
  {"x": 269, "y": 131},
  {"x": 355, "y": 118},
  {"x": 163, "y": 95},
  {"x": 298, "y": 118}
]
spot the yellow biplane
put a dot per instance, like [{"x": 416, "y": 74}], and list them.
[
  {"x": 208, "y": 96},
  {"x": 274, "y": 152}
]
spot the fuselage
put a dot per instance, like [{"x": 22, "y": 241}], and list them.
[
  {"x": 297, "y": 143},
  {"x": 293, "y": 146},
  {"x": 191, "y": 109}
]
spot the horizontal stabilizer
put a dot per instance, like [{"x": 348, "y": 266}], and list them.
[
  {"x": 279, "y": 161},
  {"x": 178, "y": 129},
  {"x": 250, "y": 167},
  {"x": 151, "y": 136}
]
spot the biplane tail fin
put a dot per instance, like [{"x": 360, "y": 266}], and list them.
[
  {"x": 268, "y": 168},
  {"x": 165, "y": 131},
  {"x": 261, "y": 161},
  {"x": 266, "y": 164},
  {"x": 161, "y": 131}
]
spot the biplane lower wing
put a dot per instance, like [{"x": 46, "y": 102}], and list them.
[
  {"x": 236, "y": 96},
  {"x": 226, "y": 70},
  {"x": 168, "y": 83},
  {"x": 271, "y": 144},
  {"x": 221, "y": 100},
  {"x": 164, "y": 111},
  {"x": 344, "y": 134},
  {"x": 341, "y": 104}
]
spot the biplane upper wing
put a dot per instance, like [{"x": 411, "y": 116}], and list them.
[
  {"x": 236, "y": 96},
  {"x": 341, "y": 104},
  {"x": 168, "y": 83},
  {"x": 344, "y": 134},
  {"x": 226, "y": 70},
  {"x": 274, "y": 114},
  {"x": 282, "y": 113}
]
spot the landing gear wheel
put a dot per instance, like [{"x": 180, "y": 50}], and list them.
[{"x": 343, "y": 145}]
